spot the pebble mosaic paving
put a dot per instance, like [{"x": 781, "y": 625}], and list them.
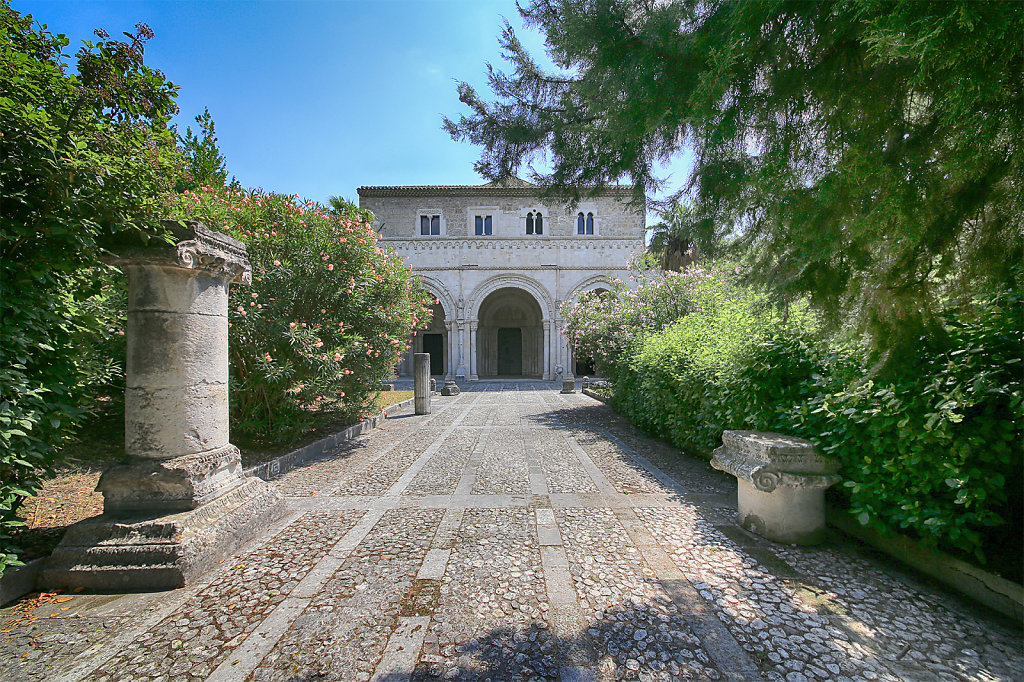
[{"x": 517, "y": 533}]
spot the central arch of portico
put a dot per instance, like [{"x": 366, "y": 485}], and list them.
[
  {"x": 510, "y": 335},
  {"x": 510, "y": 329}
]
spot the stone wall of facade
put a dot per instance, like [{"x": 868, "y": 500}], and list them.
[{"x": 480, "y": 281}]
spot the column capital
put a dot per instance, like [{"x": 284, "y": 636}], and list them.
[{"x": 195, "y": 247}]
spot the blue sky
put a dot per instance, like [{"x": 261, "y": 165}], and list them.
[{"x": 318, "y": 98}]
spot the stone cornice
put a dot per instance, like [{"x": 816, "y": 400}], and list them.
[{"x": 491, "y": 243}]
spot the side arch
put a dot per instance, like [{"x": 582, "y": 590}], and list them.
[
  {"x": 440, "y": 291},
  {"x": 589, "y": 284}
]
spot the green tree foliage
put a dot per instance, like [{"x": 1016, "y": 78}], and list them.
[
  {"x": 868, "y": 150},
  {"x": 680, "y": 239},
  {"x": 204, "y": 165},
  {"x": 83, "y": 157}
]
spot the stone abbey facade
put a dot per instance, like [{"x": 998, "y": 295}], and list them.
[{"x": 501, "y": 261}]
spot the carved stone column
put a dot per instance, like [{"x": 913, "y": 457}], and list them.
[
  {"x": 546, "y": 364},
  {"x": 180, "y": 503},
  {"x": 460, "y": 369},
  {"x": 474, "y": 360},
  {"x": 449, "y": 349}
]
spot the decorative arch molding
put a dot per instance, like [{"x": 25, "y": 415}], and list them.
[
  {"x": 527, "y": 284},
  {"x": 588, "y": 284},
  {"x": 438, "y": 289}
]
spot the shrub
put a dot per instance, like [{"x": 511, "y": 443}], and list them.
[
  {"x": 83, "y": 157},
  {"x": 933, "y": 449},
  {"x": 327, "y": 315},
  {"x": 671, "y": 381},
  {"x": 936, "y": 449},
  {"x": 602, "y": 326}
]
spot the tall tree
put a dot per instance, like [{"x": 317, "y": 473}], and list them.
[
  {"x": 680, "y": 239},
  {"x": 868, "y": 150},
  {"x": 204, "y": 164}
]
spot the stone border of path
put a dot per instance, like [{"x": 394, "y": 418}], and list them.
[
  {"x": 18, "y": 581},
  {"x": 999, "y": 594},
  {"x": 275, "y": 467}
]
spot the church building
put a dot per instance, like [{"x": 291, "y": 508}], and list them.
[{"x": 501, "y": 261}]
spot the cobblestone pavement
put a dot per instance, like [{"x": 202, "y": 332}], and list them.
[{"x": 517, "y": 533}]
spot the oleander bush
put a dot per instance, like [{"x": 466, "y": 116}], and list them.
[
  {"x": 602, "y": 326},
  {"x": 327, "y": 315}
]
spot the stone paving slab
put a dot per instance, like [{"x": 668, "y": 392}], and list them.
[{"x": 517, "y": 533}]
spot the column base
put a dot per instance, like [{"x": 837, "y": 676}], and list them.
[
  {"x": 786, "y": 514},
  {"x": 136, "y": 552},
  {"x": 568, "y": 386}
]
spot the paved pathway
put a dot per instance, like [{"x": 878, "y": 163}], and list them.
[{"x": 518, "y": 534}]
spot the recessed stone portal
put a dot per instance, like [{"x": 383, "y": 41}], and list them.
[{"x": 510, "y": 335}]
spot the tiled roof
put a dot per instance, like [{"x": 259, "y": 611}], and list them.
[{"x": 509, "y": 186}]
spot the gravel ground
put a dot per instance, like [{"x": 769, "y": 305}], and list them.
[{"x": 516, "y": 533}]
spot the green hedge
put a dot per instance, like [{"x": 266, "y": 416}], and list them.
[{"x": 934, "y": 449}]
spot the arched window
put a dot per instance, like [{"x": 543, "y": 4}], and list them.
[
  {"x": 590, "y": 223},
  {"x": 529, "y": 223},
  {"x": 539, "y": 224},
  {"x": 581, "y": 224}
]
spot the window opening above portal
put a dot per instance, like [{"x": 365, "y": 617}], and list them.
[
  {"x": 482, "y": 225},
  {"x": 430, "y": 224},
  {"x": 534, "y": 223},
  {"x": 585, "y": 223}
]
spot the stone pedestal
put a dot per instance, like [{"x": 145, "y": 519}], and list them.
[
  {"x": 422, "y": 389},
  {"x": 568, "y": 385},
  {"x": 585, "y": 383},
  {"x": 781, "y": 484},
  {"x": 450, "y": 388},
  {"x": 180, "y": 504}
]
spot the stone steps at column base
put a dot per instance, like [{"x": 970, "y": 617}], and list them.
[{"x": 148, "y": 553}]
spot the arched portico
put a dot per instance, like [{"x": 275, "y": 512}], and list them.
[
  {"x": 510, "y": 335},
  {"x": 529, "y": 304},
  {"x": 598, "y": 284}
]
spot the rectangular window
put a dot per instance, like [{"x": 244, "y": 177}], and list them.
[
  {"x": 430, "y": 224},
  {"x": 482, "y": 225}
]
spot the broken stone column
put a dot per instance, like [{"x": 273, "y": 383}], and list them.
[
  {"x": 450, "y": 388},
  {"x": 781, "y": 484},
  {"x": 421, "y": 383},
  {"x": 180, "y": 503}
]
